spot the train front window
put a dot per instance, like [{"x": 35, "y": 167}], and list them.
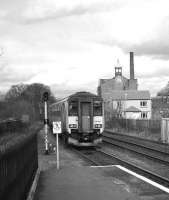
[
  {"x": 97, "y": 108},
  {"x": 73, "y": 108}
]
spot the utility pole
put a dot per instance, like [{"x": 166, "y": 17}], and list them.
[{"x": 46, "y": 121}]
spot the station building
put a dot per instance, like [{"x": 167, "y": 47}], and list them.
[{"x": 121, "y": 95}]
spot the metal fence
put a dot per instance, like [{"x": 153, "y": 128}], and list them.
[
  {"x": 18, "y": 165},
  {"x": 152, "y": 126},
  {"x": 11, "y": 125}
]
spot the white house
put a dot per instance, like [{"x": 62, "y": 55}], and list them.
[
  {"x": 129, "y": 104},
  {"x": 122, "y": 97}
]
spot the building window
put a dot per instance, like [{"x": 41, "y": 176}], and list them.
[
  {"x": 144, "y": 115},
  {"x": 143, "y": 103}
]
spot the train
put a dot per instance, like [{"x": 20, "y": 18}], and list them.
[{"x": 82, "y": 118}]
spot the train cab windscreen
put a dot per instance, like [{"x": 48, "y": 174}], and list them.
[
  {"x": 97, "y": 108},
  {"x": 73, "y": 108}
]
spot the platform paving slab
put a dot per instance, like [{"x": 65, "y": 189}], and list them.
[{"x": 84, "y": 183}]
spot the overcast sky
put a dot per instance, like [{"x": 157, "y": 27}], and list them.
[{"x": 71, "y": 44}]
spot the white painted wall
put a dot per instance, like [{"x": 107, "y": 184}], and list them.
[
  {"x": 132, "y": 115},
  {"x": 136, "y": 103}
]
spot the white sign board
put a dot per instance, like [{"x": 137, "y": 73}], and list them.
[{"x": 57, "y": 129}]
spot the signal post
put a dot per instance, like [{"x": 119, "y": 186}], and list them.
[{"x": 46, "y": 121}]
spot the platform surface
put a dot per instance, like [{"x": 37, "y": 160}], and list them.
[
  {"x": 77, "y": 180},
  {"x": 84, "y": 183}
]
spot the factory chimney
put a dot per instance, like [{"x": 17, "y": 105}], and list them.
[{"x": 131, "y": 65}]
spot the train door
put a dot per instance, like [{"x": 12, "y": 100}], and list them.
[{"x": 86, "y": 113}]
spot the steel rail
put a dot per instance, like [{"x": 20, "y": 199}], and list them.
[
  {"x": 81, "y": 153},
  {"x": 147, "y": 142},
  {"x": 147, "y": 173},
  {"x": 123, "y": 144},
  {"x": 136, "y": 143},
  {"x": 153, "y": 176}
]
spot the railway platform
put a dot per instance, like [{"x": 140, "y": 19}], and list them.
[
  {"x": 96, "y": 182},
  {"x": 76, "y": 179},
  {"x": 74, "y": 183}
]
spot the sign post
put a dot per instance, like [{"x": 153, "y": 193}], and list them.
[{"x": 57, "y": 130}]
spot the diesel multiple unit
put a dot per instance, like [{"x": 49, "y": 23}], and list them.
[{"x": 82, "y": 118}]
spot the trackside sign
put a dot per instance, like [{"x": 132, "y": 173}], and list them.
[{"x": 57, "y": 129}]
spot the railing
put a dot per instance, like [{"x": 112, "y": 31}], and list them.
[
  {"x": 11, "y": 125},
  {"x": 18, "y": 165}
]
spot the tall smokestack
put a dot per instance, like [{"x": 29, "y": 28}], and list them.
[{"x": 131, "y": 65}]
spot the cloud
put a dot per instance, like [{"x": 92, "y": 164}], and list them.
[
  {"x": 39, "y": 11},
  {"x": 152, "y": 85},
  {"x": 10, "y": 75},
  {"x": 64, "y": 90},
  {"x": 76, "y": 37},
  {"x": 16, "y": 63},
  {"x": 157, "y": 48},
  {"x": 150, "y": 42},
  {"x": 156, "y": 73},
  {"x": 34, "y": 11}
]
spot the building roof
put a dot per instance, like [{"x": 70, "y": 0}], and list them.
[
  {"x": 129, "y": 94},
  {"x": 115, "y": 83},
  {"x": 132, "y": 109}
]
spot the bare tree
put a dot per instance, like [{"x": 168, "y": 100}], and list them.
[
  {"x": 27, "y": 99},
  {"x": 15, "y": 91}
]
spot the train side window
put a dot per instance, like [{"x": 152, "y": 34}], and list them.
[
  {"x": 73, "y": 108},
  {"x": 97, "y": 108}
]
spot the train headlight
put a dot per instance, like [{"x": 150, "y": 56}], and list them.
[
  {"x": 72, "y": 125},
  {"x": 98, "y": 125}
]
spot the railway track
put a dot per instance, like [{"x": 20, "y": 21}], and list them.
[
  {"x": 100, "y": 157},
  {"x": 147, "y": 173},
  {"x": 143, "y": 148},
  {"x": 154, "y": 145}
]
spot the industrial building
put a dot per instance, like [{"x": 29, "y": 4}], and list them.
[{"x": 122, "y": 97}]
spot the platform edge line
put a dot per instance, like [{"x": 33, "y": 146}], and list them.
[{"x": 157, "y": 185}]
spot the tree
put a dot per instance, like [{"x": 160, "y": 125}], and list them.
[
  {"x": 164, "y": 91},
  {"x": 15, "y": 92},
  {"x": 27, "y": 99},
  {"x": 34, "y": 94}
]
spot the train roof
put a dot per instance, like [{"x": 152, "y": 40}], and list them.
[
  {"x": 82, "y": 94},
  {"x": 78, "y": 95}
]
